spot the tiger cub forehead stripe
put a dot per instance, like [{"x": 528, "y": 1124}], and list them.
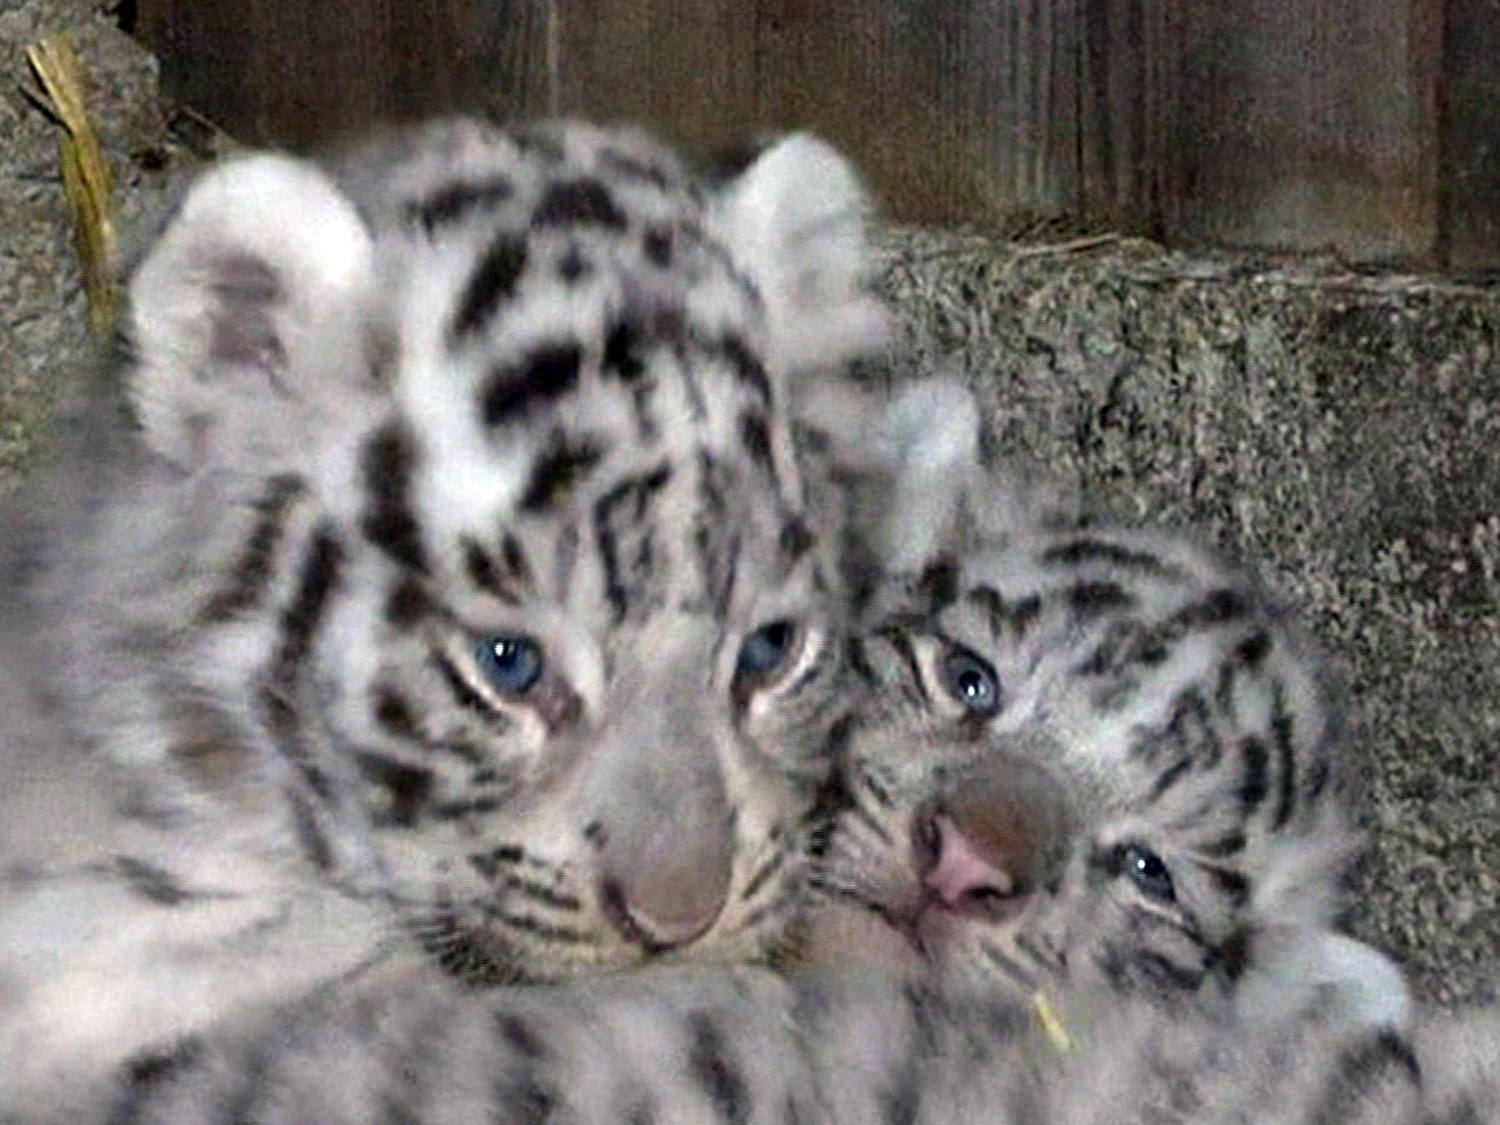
[
  {"x": 491, "y": 285},
  {"x": 253, "y": 571},
  {"x": 388, "y": 464},
  {"x": 558, "y": 468},
  {"x": 545, "y": 375},
  {"x": 577, "y": 202},
  {"x": 457, "y": 201}
]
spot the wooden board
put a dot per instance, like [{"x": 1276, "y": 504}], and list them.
[{"x": 1297, "y": 124}]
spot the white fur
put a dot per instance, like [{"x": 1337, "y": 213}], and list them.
[
  {"x": 795, "y": 219},
  {"x": 273, "y": 210}
]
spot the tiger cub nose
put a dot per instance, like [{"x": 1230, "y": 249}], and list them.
[
  {"x": 671, "y": 891},
  {"x": 658, "y": 920},
  {"x": 961, "y": 870},
  {"x": 994, "y": 838}
]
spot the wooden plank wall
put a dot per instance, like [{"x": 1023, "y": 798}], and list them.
[{"x": 1366, "y": 128}]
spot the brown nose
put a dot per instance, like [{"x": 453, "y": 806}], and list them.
[
  {"x": 665, "y": 885},
  {"x": 658, "y": 917},
  {"x": 996, "y": 836}
]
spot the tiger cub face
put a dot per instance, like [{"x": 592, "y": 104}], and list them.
[
  {"x": 506, "y": 598},
  {"x": 1093, "y": 755}
]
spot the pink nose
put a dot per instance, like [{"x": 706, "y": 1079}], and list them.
[
  {"x": 1000, "y": 835},
  {"x": 959, "y": 871}
]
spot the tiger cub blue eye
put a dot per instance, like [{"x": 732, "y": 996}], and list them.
[
  {"x": 512, "y": 663},
  {"x": 766, "y": 650},
  {"x": 1145, "y": 869},
  {"x": 969, "y": 679}
]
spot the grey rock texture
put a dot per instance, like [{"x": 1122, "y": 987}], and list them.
[
  {"x": 43, "y": 319},
  {"x": 1341, "y": 430}
]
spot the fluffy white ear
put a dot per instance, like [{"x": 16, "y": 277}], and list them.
[
  {"x": 248, "y": 298},
  {"x": 795, "y": 220},
  {"x": 1345, "y": 981}
]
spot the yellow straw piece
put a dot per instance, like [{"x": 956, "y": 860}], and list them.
[
  {"x": 84, "y": 175},
  {"x": 1052, "y": 1025}
]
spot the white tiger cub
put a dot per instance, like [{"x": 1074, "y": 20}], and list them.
[
  {"x": 1131, "y": 766},
  {"x": 1138, "y": 1026},
  {"x": 457, "y": 591}
]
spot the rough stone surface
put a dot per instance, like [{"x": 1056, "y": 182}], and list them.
[
  {"x": 1340, "y": 429},
  {"x": 43, "y": 318}
]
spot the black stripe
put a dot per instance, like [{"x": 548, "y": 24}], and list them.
[
  {"x": 459, "y": 807},
  {"x": 465, "y": 696},
  {"x": 1462, "y": 1112},
  {"x": 387, "y": 464},
  {"x": 1157, "y": 968},
  {"x": 795, "y": 539},
  {"x": 1091, "y": 599},
  {"x": 657, "y": 243},
  {"x": 522, "y": 1098},
  {"x": 514, "y": 557},
  {"x": 635, "y": 168},
  {"x": 937, "y": 585},
  {"x": 1282, "y": 739},
  {"x": 252, "y": 572},
  {"x": 482, "y": 571},
  {"x": 572, "y": 266},
  {"x": 557, "y": 469},
  {"x": 1224, "y": 847},
  {"x": 1357, "y": 1071},
  {"x": 755, "y": 436},
  {"x": 318, "y": 578},
  {"x": 529, "y": 924},
  {"x": 146, "y": 1076},
  {"x": 901, "y": 643},
  {"x": 407, "y": 604},
  {"x": 408, "y": 787},
  {"x": 1217, "y": 608},
  {"x": 516, "y": 1034},
  {"x": 1168, "y": 778},
  {"x": 746, "y": 365},
  {"x": 715, "y": 1070},
  {"x": 622, "y": 509},
  {"x": 1076, "y": 551},
  {"x": 395, "y": 714},
  {"x": 763, "y": 874},
  {"x": 1256, "y": 781},
  {"x": 310, "y": 835},
  {"x": 1005, "y": 619},
  {"x": 571, "y": 202},
  {"x": 506, "y": 855},
  {"x": 1233, "y": 884},
  {"x": 492, "y": 284},
  {"x": 873, "y": 826},
  {"x": 547, "y": 373},
  {"x": 454, "y": 202},
  {"x": 151, "y": 882},
  {"x": 622, "y": 348},
  {"x": 1253, "y": 649}
]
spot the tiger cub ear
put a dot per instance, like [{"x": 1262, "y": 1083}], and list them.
[
  {"x": 246, "y": 302},
  {"x": 795, "y": 220},
  {"x": 1346, "y": 982}
]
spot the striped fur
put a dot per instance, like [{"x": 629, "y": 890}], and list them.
[
  {"x": 1155, "y": 796},
  {"x": 460, "y": 590},
  {"x": 745, "y": 1046}
]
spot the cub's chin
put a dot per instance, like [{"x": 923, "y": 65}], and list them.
[{"x": 851, "y": 938}]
